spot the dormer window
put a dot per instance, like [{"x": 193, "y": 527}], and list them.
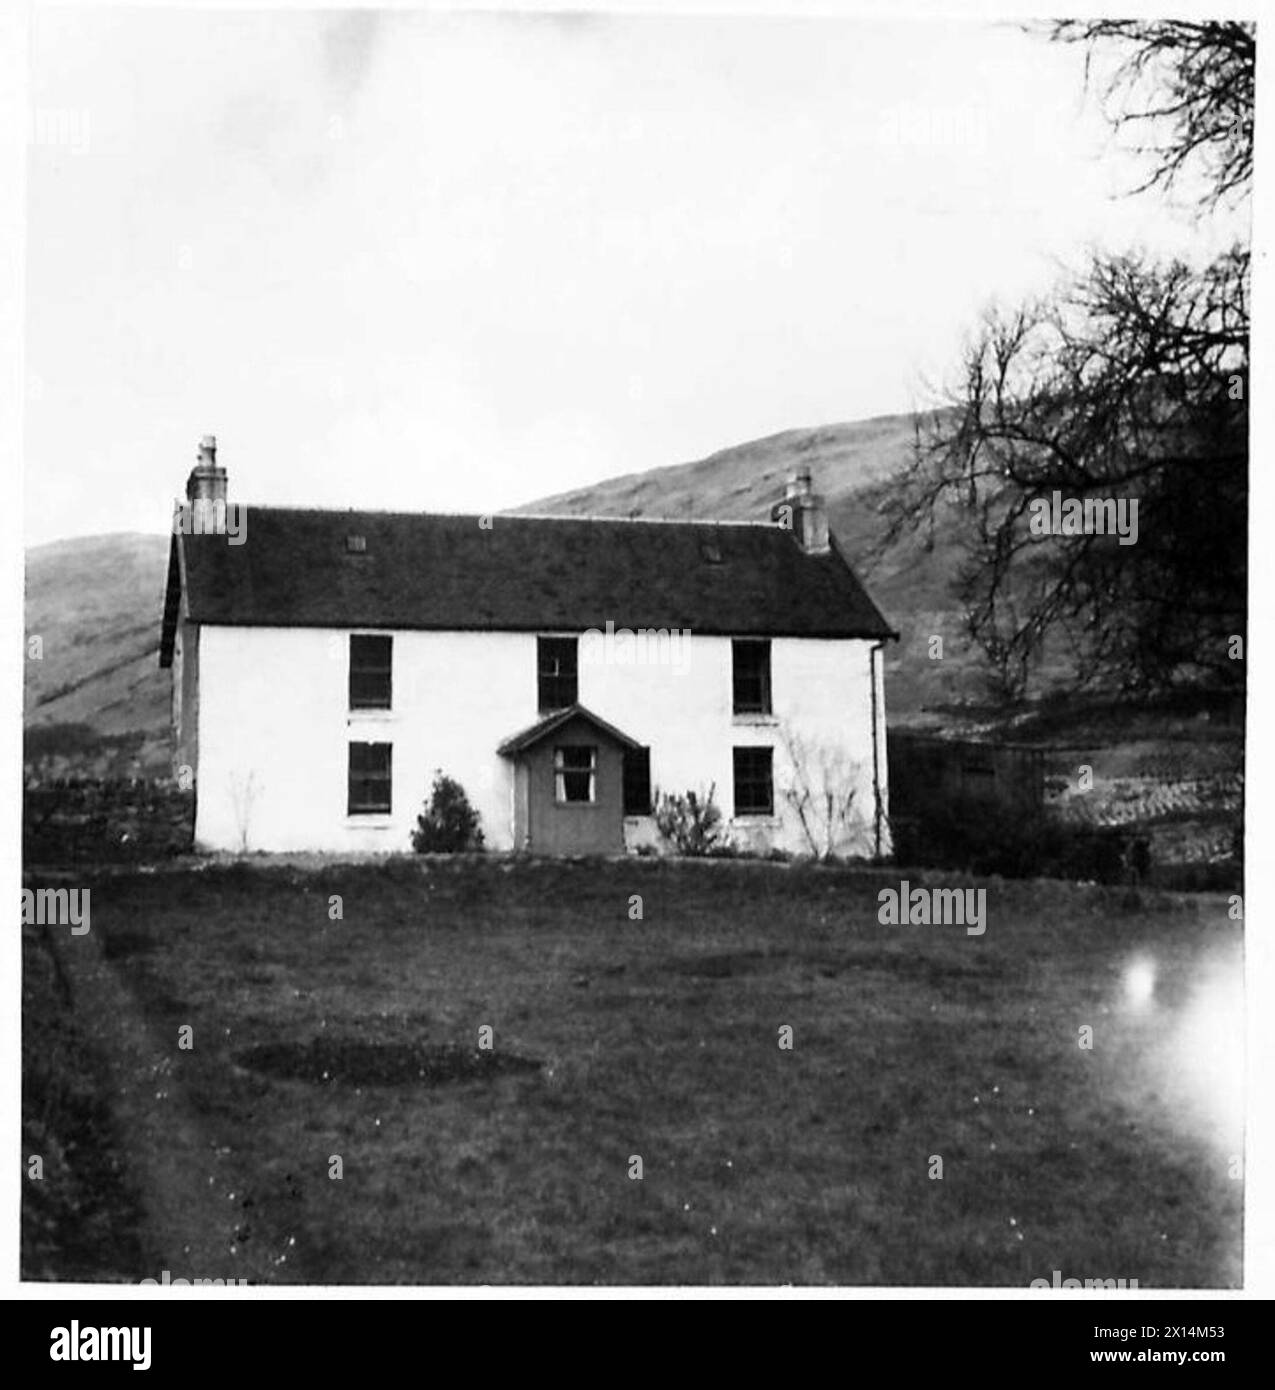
[{"x": 355, "y": 545}]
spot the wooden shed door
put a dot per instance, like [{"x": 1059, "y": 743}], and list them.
[{"x": 575, "y": 794}]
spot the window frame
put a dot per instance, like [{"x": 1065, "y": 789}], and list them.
[
  {"x": 545, "y": 676},
  {"x": 364, "y": 668},
  {"x": 760, "y": 646},
  {"x": 362, "y": 777},
  {"x": 561, "y": 772},
  {"x": 750, "y": 780}
]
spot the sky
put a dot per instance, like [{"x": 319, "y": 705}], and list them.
[{"x": 459, "y": 261}]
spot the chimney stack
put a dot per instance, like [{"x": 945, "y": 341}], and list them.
[
  {"x": 803, "y": 512},
  {"x": 207, "y": 482}
]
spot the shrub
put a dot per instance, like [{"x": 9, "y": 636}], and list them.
[
  {"x": 448, "y": 824},
  {"x": 985, "y": 838},
  {"x": 692, "y": 824},
  {"x": 75, "y": 820}
]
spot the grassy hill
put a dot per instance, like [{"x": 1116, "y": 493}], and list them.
[{"x": 96, "y": 604}]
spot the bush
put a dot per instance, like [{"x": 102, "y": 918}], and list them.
[
  {"x": 692, "y": 824},
  {"x": 985, "y": 838},
  {"x": 106, "y": 820},
  {"x": 448, "y": 824}
]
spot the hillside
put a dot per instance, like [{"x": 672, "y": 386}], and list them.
[{"x": 96, "y": 605}]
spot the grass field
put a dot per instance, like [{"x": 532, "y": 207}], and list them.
[{"x": 316, "y": 1039}]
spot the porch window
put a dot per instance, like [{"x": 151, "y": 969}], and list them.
[
  {"x": 751, "y": 661},
  {"x": 557, "y": 678},
  {"x": 371, "y": 661},
  {"x": 370, "y": 777},
  {"x": 575, "y": 773},
  {"x": 754, "y": 783}
]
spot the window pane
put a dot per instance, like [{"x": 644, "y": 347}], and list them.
[
  {"x": 558, "y": 685},
  {"x": 371, "y": 660},
  {"x": 754, "y": 790},
  {"x": 370, "y": 778},
  {"x": 751, "y": 663},
  {"x": 577, "y": 786},
  {"x": 574, "y": 773}
]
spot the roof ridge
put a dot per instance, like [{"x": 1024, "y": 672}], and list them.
[
  {"x": 635, "y": 520},
  {"x": 508, "y": 516}
]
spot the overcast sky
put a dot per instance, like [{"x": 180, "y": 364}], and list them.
[{"x": 458, "y": 262}]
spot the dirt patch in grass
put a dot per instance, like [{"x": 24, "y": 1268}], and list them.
[
  {"x": 720, "y": 966},
  {"x": 351, "y": 1062}
]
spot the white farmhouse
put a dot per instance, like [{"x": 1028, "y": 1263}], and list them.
[{"x": 565, "y": 671}]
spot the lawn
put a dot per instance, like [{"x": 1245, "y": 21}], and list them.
[{"x": 618, "y": 1037}]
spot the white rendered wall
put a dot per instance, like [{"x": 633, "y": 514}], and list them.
[{"x": 274, "y": 729}]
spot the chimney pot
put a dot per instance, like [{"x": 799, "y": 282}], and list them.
[
  {"x": 806, "y": 511},
  {"x": 207, "y": 482}
]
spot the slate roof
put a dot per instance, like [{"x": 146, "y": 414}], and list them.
[{"x": 519, "y": 573}]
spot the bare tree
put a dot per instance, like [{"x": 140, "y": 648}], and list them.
[
  {"x": 243, "y": 795},
  {"x": 1132, "y": 384},
  {"x": 822, "y": 792},
  {"x": 1184, "y": 89},
  {"x": 1129, "y": 384}
]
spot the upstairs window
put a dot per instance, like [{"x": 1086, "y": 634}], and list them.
[
  {"x": 556, "y": 672},
  {"x": 370, "y": 778},
  {"x": 371, "y": 660},
  {"x": 575, "y": 773},
  {"x": 751, "y": 659},
  {"x": 754, "y": 782},
  {"x": 637, "y": 782}
]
